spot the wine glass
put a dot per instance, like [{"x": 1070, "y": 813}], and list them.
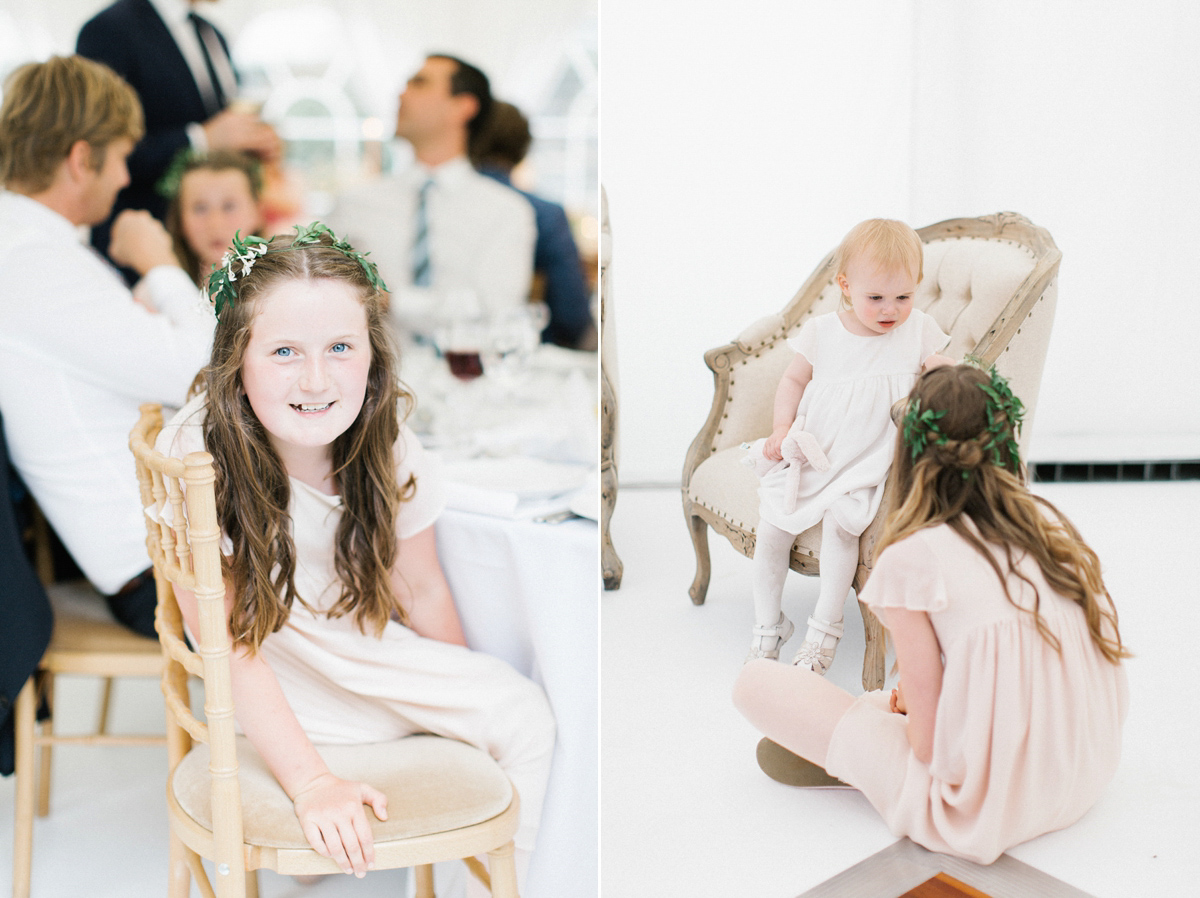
[
  {"x": 460, "y": 333},
  {"x": 512, "y": 337}
]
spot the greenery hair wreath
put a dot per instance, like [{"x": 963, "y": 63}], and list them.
[
  {"x": 168, "y": 185},
  {"x": 1005, "y": 414},
  {"x": 239, "y": 261}
]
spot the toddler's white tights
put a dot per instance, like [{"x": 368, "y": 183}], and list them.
[{"x": 839, "y": 561}]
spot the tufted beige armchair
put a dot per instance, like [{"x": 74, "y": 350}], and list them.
[{"x": 990, "y": 283}]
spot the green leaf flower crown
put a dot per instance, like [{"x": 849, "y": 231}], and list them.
[
  {"x": 1005, "y": 414},
  {"x": 182, "y": 162},
  {"x": 239, "y": 261}
]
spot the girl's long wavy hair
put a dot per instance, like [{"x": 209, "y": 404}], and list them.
[
  {"x": 253, "y": 492},
  {"x": 957, "y": 480}
]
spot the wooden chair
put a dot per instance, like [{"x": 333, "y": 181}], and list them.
[
  {"x": 989, "y": 282},
  {"x": 612, "y": 568},
  {"x": 445, "y": 799},
  {"x": 86, "y": 641}
]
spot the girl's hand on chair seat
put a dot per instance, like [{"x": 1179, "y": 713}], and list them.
[
  {"x": 331, "y": 815},
  {"x": 897, "y": 701}
]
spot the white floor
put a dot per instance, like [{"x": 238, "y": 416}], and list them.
[{"x": 686, "y": 811}]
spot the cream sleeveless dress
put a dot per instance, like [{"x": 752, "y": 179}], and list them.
[{"x": 345, "y": 686}]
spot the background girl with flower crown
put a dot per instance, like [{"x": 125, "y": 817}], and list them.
[
  {"x": 1009, "y": 721},
  {"x": 343, "y": 624}
]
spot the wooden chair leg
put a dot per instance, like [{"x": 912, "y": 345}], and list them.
[
  {"x": 698, "y": 528},
  {"x": 24, "y": 723},
  {"x": 875, "y": 653},
  {"x": 179, "y": 874},
  {"x": 424, "y": 876},
  {"x": 503, "y": 867},
  {"x": 46, "y": 752},
  {"x": 105, "y": 702},
  {"x": 251, "y": 884},
  {"x": 610, "y": 564}
]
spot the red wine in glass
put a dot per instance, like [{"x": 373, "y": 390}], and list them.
[{"x": 464, "y": 365}]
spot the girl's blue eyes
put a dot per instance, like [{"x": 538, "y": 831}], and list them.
[{"x": 287, "y": 351}]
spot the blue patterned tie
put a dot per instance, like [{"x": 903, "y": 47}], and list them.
[{"x": 420, "y": 256}]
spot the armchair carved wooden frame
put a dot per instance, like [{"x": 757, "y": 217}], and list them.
[{"x": 990, "y": 282}]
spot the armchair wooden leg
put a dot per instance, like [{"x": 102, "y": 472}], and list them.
[
  {"x": 610, "y": 564},
  {"x": 875, "y": 655},
  {"x": 698, "y": 528},
  {"x": 26, "y": 712}
]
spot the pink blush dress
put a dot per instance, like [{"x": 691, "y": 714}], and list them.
[{"x": 1025, "y": 737}]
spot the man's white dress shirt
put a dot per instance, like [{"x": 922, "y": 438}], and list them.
[
  {"x": 77, "y": 358},
  {"x": 481, "y": 239}
]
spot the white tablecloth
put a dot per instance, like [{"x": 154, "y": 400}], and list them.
[{"x": 529, "y": 593}]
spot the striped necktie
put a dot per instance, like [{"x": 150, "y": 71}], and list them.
[
  {"x": 205, "y": 35},
  {"x": 420, "y": 251}
]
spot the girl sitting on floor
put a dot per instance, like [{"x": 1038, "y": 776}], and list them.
[{"x": 1009, "y": 719}]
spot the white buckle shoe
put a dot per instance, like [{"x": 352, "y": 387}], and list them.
[
  {"x": 812, "y": 655},
  {"x": 769, "y": 640}
]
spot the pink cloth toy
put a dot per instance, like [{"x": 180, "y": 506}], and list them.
[{"x": 799, "y": 447}]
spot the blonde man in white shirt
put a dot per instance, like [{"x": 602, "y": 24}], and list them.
[
  {"x": 77, "y": 353},
  {"x": 439, "y": 230}
]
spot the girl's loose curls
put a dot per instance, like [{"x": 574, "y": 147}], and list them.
[
  {"x": 252, "y": 486},
  {"x": 968, "y": 467}
]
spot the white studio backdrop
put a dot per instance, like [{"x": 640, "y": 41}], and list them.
[{"x": 739, "y": 144}]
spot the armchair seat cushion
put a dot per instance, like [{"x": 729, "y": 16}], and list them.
[
  {"x": 432, "y": 784},
  {"x": 729, "y": 489}
]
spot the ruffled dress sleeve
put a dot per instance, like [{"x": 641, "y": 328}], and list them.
[
  {"x": 427, "y": 503},
  {"x": 907, "y": 575},
  {"x": 932, "y": 337},
  {"x": 805, "y": 341},
  {"x": 184, "y": 433}
]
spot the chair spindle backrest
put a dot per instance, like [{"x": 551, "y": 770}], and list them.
[{"x": 183, "y": 538}]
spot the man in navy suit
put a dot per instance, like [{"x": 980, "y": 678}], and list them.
[
  {"x": 496, "y": 151},
  {"x": 179, "y": 65}
]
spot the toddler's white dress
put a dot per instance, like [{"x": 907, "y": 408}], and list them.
[
  {"x": 345, "y": 686},
  {"x": 847, "y": 407}
]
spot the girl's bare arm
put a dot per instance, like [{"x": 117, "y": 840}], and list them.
[
  {"x": 422, "y": 591},
  {"x": 919, "y": 657},
  {"x": 330, "y": 809},
  {"x": 787, "y": 396}
]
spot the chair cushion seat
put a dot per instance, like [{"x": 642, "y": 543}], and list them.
[
  {"x": 432, "y": 785},
  {"x": 723, "y": 485}
]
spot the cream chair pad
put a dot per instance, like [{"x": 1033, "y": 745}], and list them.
[{"x": 411, "y": 772}]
